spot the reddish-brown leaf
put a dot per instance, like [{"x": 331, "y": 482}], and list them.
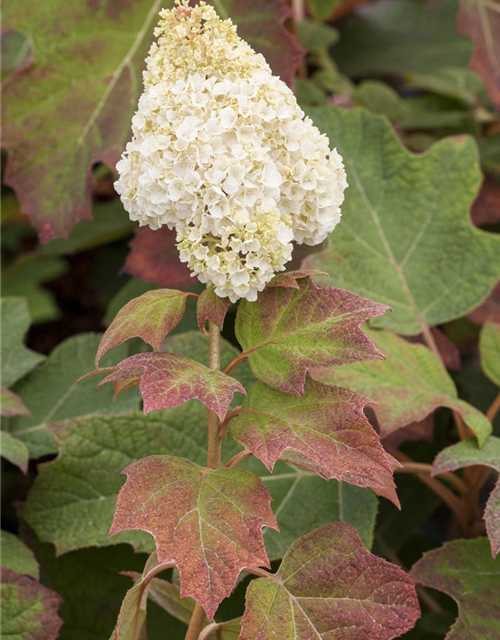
[
  {"x": 480, "y": 20},
  {"x": 168, "y": 380},
  {"x": 489, "y": 310},
  {"x": 150, "y": 317},
  {"x": 211, "y": 308},
  {"x": 153, "y": 257},
  {"x": 206, "y": 521},
  {"x": 327, "y": 426},
  {"x": 486, "y": 207},
  {"x": 330, "y": 587},
  {"x": 287, "y": 331},
  {"x": 29, "y": 610}
]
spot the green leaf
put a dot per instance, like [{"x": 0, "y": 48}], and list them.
[
  {"x": 168, "y": 380},
  {"x": 327, "y": 583},
  {"x": 11, "y": 405},
  {"x": 464, "y": 570},
  {"x": 17, "y": 556},
  {"x": 14, "y": 450},
  {"x": 302, "y": 501},
  {"x": 287, "y": 331},
  {"x": 52, "y": 394},
  {"x": 467, "y": 454},
  {"x": 25, "y": 278},
  {"x": 313, "y": 35},
  {"x": 489, "y": 346},
  {"x": 406, "y": 238},
  {"x": 72, "y": 500},
  {"x": 326, "y": 426},
  {"x": 457, "y": 83},
  {"x": 408, "y": 386},
  {"x": 17, "y": 361},
  {"x": 29, "y": 610},
  {"x": 206, "y": 521},
  {"x": 379, "y": 98},
  {"x": 322, "y": 9},
  {"x": 15, "y": 53},
  {"x": 110, "y": 223},
  {"x": 399, "y": 37},
  {"x": 149, "y": 317}
]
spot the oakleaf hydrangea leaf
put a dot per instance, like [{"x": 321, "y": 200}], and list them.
[
  {"x": 150, "y": 317},
  {"x": 489, "y": 347},
  {"x": 52, "y": 393},
  {"x": 406, "y": 238},
  {"x": 467, "y": 454},
  {"x": 327, "y": 426},
  {"x": 73, "y": 498},
  {"x": 168, "y": 380},
  {"x": 287, "y": 331},
  {"x": 211, "y": 307},
  {"x": 29, "y": 610},
  {"x": 330, "y": 586},
  {"x": 409, "y": 385},
  {"x": 16, "y": 359},
  {"x": 17, "y": 556},
  {"x": 465, "y": 570},
  {"x": 206, "y": 521},
  {"x": 11, "y": 405},
  {"x": 289, "y": 278}
]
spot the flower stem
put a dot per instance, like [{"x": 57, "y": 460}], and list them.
[{"x": 198, "y": 618}]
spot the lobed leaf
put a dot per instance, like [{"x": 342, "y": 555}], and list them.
[
  {"x": 489, "y": 349},
  {"x": 169, "y": 379},
  {"x": 465, "y": 571},
  {"x": 17, "y": 557},
  {"x": 211, "y": 308},
  {"x": 52, "y": 394},
  {"x": 408, "y": 386},
  {"x": 206, "y": 521},
  {"x": 467, "y": 454},
  {"x": 149, "y": 317},
  {"x": 329, "y": 586},
  {"x": 16, "y": 360},
  {"x": 29, "y": 610},
  {"x": 326, "y": 426},
  {"x": 405, "y": 216},
  {"x": 287, "y": 331},
  {"x": 11, "y": 405}
]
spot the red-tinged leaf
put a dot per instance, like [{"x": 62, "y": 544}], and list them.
[
  {"x": 480, "y": 20},
  {"x": 206, "y": 521},
  {"x": 467, "y": 454},
  {"x": 211, "y": 308},
  {"x": 29, "y": 610},
  {"x": 12, "y": 405},
  {"x": 289, "y": 278},
  {"x": 327, "y": 426},
  {"x": 287, "y": 331},
  {"x": 262, "y": 24},
  {"x": 168, "y": 380},
  {"x": 486, "y": 207},
  {"x": 465, "y": 570},
  {"x": 422, "y": 430},
  {"x": 489, "y": 310},
  {"x": 329, "y": 586},
  {"x": 153, "y": 257},
  {"x": 150, "y": 317},
  {"x": 450, "y": 353}
]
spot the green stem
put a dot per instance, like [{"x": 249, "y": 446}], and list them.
[{"x": 198, "y": 618}]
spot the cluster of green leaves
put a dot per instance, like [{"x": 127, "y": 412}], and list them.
[{"x": 297, "y": 392}]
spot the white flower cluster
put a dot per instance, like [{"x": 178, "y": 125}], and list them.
[{"x": 222, "y": 153}]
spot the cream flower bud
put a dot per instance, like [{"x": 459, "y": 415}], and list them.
[{"x": 222, "y": 153}]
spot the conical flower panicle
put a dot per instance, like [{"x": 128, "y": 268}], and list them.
[{"x": 222, "y": 153}]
